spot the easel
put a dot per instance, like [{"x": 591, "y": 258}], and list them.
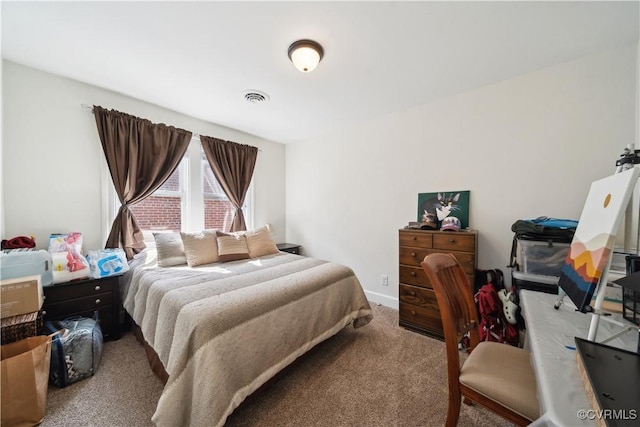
[{"x": 629, "y": 159}]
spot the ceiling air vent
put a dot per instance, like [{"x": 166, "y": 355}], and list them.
[{"x": 255, "y": 96}]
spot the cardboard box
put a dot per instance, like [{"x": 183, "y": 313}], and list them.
[{"x": 20, "y": 295}]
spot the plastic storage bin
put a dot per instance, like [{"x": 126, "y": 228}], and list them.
[
  {"x": 27, "y": 263},
  {"x": 542, "y": 258},
  {"x": 535, "y": 282}
]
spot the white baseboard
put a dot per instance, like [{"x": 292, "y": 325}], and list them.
[{"x": 385, "y": 300}]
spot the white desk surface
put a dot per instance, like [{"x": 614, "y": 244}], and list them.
[{"x": 550, "y": 339}]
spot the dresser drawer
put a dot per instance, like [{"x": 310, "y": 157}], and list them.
[
  {"x": 422, "y": 297},
  {"x": 413, "y": 256},
  {"x": 466, "y": 260},
  {"x": 414, "y": 276},
  {"x": 416, "y": 239},
  {"x": 455, "y": 241},
  {"x": 421, "y": 318}
]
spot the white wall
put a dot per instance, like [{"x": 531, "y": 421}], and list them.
[
  {"x": 524, "y": 147},
  {"x": 52, "y": 156}
]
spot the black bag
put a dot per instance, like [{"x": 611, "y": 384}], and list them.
[
  {"x": 543, "y": 229},
  {"x": 76, "y": 352},
  {"x": 493, "y": 276}
]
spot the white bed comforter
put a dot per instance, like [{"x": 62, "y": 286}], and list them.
[{"x": 223, "y": 330}]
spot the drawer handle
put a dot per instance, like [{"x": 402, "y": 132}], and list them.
[
  {"x": 413, "y": 312},
  {"x": 452, "y": 240},
  {"x": 98, "y": 301},
  {"x": 413, "y": 254},
  {"x": 415, "y": 238},
  {"x": 97, "y": 287},
  {"x": 413, "y": 273},
  {"x": 44, "y": 313},
  {"x": 412, "y": 293}
]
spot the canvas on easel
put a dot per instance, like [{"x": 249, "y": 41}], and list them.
[{"x": 594, "y": 239}]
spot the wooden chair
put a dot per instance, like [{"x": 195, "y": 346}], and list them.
[{"x": 497, "y": 376}]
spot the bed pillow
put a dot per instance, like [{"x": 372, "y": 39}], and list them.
[
  {"x": 169, "y": 249},
  {"x": 232, "y": 246},
  {"x": 200, "y": 248},
  {"x": 259, "y": 242}
]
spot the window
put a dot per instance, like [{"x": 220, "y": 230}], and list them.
[
  {"x": 190, "y": 200},
  {"x": 218, "y": 210}
]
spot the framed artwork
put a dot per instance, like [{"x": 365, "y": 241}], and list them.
[
  {"x": 595, "y": 236},
  {"x": 444, "y": 204}
]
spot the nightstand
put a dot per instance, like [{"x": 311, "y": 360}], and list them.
[
  {"x": 83, "y": 298},
  {"x": 289, "y": 247}
]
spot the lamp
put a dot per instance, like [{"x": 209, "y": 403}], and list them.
[{"x": 305, "y": 55}]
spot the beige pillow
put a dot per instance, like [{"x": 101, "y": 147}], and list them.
[
  {"x": 259, "y": 242},
  {"x": 231, "y": 247},
  {"x": 200, "y": 248},
  {"x": 170, "y": 249}
]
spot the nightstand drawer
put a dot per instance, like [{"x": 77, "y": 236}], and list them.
[
  {"x": 90, "y": 303},
  {"x": 71, "y": 290}
]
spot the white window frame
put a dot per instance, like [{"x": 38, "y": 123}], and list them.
[{"x": 191, "y": 191}]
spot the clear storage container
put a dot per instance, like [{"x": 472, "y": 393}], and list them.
[{"x": 543, "y": 258}]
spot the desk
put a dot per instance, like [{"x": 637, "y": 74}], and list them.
[{"x": 561, "y": 392}]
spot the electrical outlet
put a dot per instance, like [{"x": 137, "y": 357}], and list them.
[{"x": 384, "y": 280}]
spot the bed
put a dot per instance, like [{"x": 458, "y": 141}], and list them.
[{"x": 221, "y": 330}]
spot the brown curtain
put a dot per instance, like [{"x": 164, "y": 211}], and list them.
[
  {"x": 233, "y": 165},
  {"x": 141, "y": 156}
]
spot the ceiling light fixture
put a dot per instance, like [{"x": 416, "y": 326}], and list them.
[{"x": 305, "y": 55}]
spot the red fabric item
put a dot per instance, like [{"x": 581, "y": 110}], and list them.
[
  {"x": 19, "y": 242},
  {"x": 493, "y": 325}
]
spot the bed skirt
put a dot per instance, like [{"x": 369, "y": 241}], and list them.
[{"x": 152, "y": 356}]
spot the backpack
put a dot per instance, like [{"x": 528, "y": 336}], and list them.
[
  {"x": 493, "y": 323},
  {"x": 544, "y": 229}
]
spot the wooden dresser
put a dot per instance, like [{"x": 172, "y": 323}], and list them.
[{"x": 418, "y": 305}]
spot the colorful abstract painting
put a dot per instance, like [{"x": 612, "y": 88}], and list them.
[{"x": 595, "y": 236}]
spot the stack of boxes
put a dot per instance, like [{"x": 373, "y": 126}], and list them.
[
  {"x": 22, "y": 300},
  {"x": 22, "y": 276}
]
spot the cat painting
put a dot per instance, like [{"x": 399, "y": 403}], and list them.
[{"x": 444, "y": 204}]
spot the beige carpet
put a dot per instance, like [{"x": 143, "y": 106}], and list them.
[{"x": 378, "y": 375}]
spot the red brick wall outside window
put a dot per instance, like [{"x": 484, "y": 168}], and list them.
[{"x": 162, "y": 211}]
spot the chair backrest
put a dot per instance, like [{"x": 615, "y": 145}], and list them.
[{"x": 457, "y": 307}]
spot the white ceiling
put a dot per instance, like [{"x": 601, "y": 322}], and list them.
[{"x": 198, "y": 58}]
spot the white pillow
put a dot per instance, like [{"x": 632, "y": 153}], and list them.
[
  {"x": 170, "y": 249},
  {"x": 260, "y": 242},
  {"x": 200, "y": 248}
]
